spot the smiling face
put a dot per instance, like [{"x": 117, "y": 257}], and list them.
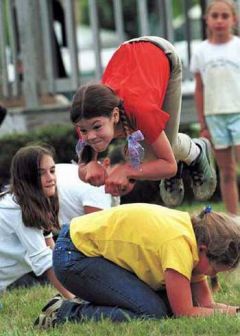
[
  {"x": 220, "y": 20},
  {"x": 47, "y": 175},
  {"x": 98, "y": 132}
]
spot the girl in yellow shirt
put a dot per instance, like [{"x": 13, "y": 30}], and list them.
[{"x": 142, "y": 261}]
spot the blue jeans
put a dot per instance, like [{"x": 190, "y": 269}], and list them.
[{"x": 110, "y": 291}]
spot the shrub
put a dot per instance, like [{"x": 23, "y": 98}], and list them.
[{"x": 61, "y": 137}]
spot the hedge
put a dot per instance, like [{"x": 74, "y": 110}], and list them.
[{"x": 61, "y": 137}]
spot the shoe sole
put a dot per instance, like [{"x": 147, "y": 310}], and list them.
[
  {"x": 210, "y": 158},
  {"x": 169, "y": 201}
]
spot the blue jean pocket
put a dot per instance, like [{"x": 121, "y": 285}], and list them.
[{"x": 65, "y": 254}]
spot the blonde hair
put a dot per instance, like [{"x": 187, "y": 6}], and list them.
[
  {"x": 220, "y": 233},
  {"x": 230, "y": 3}
]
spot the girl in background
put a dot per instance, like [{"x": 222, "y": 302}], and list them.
[
  {"x": 28, "y": 214},
  {"x": 216, "y": 66}
]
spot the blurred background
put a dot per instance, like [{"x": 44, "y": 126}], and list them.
[{"x": 49, "y": 47}]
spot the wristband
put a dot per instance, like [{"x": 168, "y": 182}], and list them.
[{"x": 238, "y": 310}]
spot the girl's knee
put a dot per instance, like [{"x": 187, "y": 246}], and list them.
[{"x": 157, "y": 309}]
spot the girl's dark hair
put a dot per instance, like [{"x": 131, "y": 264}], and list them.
[
  {"x": 92, "y": 101},
  {"x": 117, "y": 155},
  {"x": 220, "y": 233},
  {"x": 25, "y": 184},
  {"x": 97, "y": 100}
]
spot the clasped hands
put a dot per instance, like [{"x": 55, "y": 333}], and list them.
[{"x": 115, "y": 178}]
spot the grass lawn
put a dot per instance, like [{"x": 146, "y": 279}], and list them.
[{"x": 21, "y": 307}]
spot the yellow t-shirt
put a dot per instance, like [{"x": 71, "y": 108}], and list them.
[{"x": 145, "y": 239}]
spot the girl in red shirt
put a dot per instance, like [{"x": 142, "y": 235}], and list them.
[{"x": 139, "y": 98}]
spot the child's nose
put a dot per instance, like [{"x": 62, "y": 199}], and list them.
[
  {"x": 50, "y": 176},
  {"x": 91, "y": 135}
]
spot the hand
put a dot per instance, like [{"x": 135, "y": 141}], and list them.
[
  {"x": 230, "y": 310},
  {"x": 93, "y": 173},
  {"x": 117, "y": 183},
  {"x": 129, "y": 188}
]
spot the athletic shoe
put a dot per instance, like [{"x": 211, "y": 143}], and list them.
[
  {"x": 202, "y": 171},
  {"x": 172, "y": 189},
  {"x": 48, "y": 316}
]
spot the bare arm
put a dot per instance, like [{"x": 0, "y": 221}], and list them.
[
  {"x": 50, "y": 242},
  {"x": 199, "y": 101},
  {"x": 163, "y": 165},
  {"x": 198, "y": 96},
  {"x": 89, "y": 209},
  {"x": 183, "y": 302},
  {"x": 202, "y": 296},
  {"x": 52, "y": 277},
  {"x": 54, "y": 281}
]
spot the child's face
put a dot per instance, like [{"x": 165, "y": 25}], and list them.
[
  {"x": 220, "y": 19},
  {"x": 97, "y": 132},
  {"x": 47, "y": 175},
  {"x": 207, "y": 267}
]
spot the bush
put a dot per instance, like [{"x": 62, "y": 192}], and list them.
[{"x": 61, "y": 137}]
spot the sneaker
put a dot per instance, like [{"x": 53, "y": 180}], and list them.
[
  {"x": 202, "y": 171},
  {"x": 48, "y": 316},
  {"x": 78, "y": 300},
  {"x": 172, "y": 190}
]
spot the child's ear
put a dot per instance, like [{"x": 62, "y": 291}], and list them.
[
  {"x": 116, "y": 115},
  {"x": 202, "y": 249}
]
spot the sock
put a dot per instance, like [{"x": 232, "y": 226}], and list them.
[
  {"x": 193, "y": 154},
  {"x": 185, "y": 149}
]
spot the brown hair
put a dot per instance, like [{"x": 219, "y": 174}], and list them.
[
  {"x": 94, "y": 100},
  {"x": 230, "y": 3},
  {"x": 117, "y": 155},
  {"x": 37, "y": 210},
  {"x": 221, "y": 234}
]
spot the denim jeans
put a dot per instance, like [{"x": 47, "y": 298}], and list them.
[{"x": 109, "y": 290}]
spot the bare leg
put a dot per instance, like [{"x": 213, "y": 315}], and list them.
[{"x": 228, "y": 177}]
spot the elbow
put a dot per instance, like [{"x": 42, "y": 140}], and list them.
[{"x": 172, "y": 170}]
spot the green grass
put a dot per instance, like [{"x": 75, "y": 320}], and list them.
[
  {"x": 21, "y": 307},
  {"x": 196, "y": 207}
]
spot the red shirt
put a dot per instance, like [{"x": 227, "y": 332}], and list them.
[{"x": 138, "y": 73}]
